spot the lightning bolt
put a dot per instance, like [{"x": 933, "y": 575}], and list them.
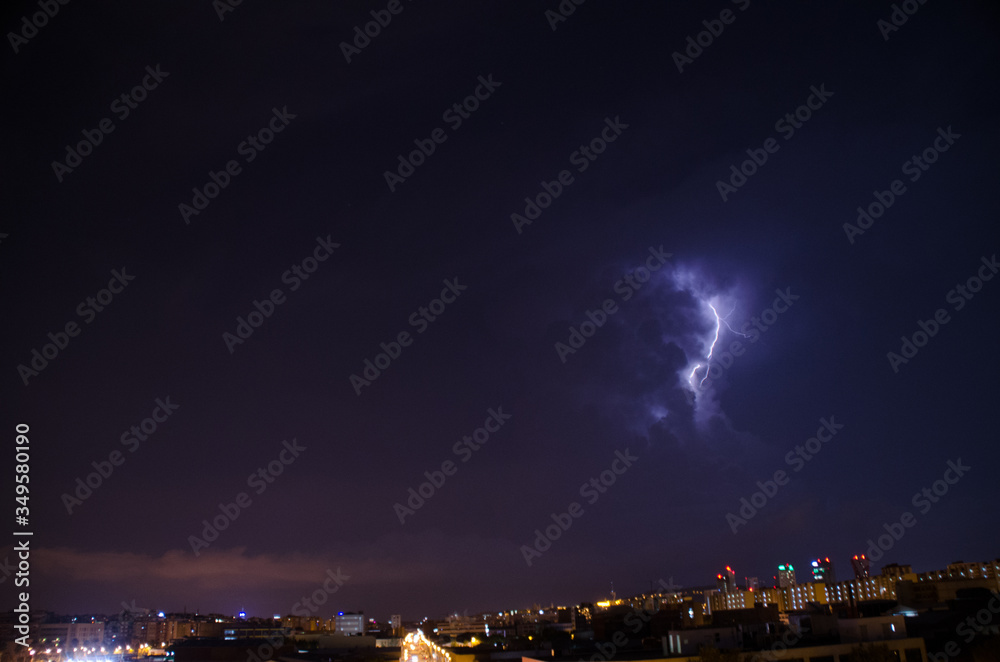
[
  {"x": 691, "y": 376},
  {"x": 719, "y": 321},
  {"x": 715, "y": 340},
  {"x": 725, "y": 320}
]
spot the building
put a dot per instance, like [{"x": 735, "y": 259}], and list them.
[
  {"x": 457, "y": 625},
  {"x": 935, "y": 591},
  {"x": 328, "y": 640},
  {"x": 253, "y": 630},
  {"x": 962, "y": 570},
  {"x": 227, "y": 650},
  {"x": 726, "y": 581},
  {"x": 877, "y": 628},
  {"x": 860, "y": 565},
  {"x": 786, "y": 575},
  {"x": 822, "y": 570},
  {"x": 794, "y": 597},
  {"x": 350, "y": 623},
  {"x": 882, "y": 587},
  {"x": 304, "y": 623},
  {"x": 72, "y": 635},
  {"x": 911, "y": 649},
  {"x": 150, "y": 629},
  {"x": 726, "y": 600},
  {"x": 896, "y": 571},
  {"x": 770, "y": 595},
  {"x": 688, "y": 642},
  {"x": 798, "y": 596},
  {"x": 787, "y": 598},
  {"x": 182, "y": 628}
]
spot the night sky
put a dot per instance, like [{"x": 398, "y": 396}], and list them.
[{"x": 647, "y": 240}]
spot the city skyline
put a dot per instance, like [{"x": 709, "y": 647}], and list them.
[{"x": 659, "y": 587}]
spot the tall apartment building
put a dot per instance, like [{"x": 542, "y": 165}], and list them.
[
  {"x": 860, "y": 565},
  {"x": 726, "y": 581},
  {"x": 786, "y": 575},
  {"x": 822, "y": 571}
]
